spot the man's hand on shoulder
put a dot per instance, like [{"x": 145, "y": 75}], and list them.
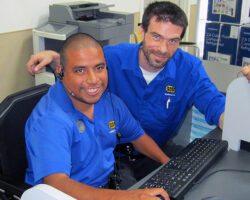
[{"x": 38, "y": 61}]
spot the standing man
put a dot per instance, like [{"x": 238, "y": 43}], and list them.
[
  {"x": 73, "y": 130},
  {"x": 157, "y": 80}
]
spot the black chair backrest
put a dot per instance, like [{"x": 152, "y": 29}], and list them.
[{"x": 14, "y": 111}]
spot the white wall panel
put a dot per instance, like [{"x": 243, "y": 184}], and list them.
[{"x": 18, "y": 15}]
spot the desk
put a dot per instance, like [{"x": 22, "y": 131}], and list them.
[{"x": 228, "y": 185}]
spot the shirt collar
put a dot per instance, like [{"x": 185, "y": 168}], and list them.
[
  {"x": 61, "y": 97},
  {"x": 133, "y": 62}
]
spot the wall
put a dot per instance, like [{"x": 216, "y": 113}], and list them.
[
  {"x": 17, "y": 18},
  {"x": 15, "y": 49},
  {"x": 18, "y": 15}
]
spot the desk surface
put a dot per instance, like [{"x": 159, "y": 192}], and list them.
[{"x": 228, "y": 185}]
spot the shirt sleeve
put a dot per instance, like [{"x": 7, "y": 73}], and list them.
[
  {"x": 48, "y": 147},
  {"x": 207, "y": 98}
]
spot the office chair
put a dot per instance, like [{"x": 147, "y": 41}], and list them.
[{"x": 14, "y": 111}]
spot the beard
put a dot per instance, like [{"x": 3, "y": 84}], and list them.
[{"x": 153, "y": 62}]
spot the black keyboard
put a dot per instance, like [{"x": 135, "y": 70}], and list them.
[{"x": 179, "y": 174}]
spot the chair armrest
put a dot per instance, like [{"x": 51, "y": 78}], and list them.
[{"x": 12, "y": 189}]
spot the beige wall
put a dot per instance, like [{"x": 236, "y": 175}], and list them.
[
  {"x": 15, "y": 50},
  {"x": 192, "y": 27}
]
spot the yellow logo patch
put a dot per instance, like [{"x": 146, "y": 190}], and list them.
[
  {"x": 112, "y": 124},
  {"x": 81, "y": 126},
  {"x": 170, "y": 89}
]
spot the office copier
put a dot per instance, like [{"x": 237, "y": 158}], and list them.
[{"x": 65, "y": 19}]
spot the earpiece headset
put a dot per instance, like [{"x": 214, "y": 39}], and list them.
[
  {"x": 114, "y": 179},
  {"x": 61, "y": 74},
  {"x": 52, "y": 70}
]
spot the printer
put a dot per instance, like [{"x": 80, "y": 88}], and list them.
[{"x": 65, "y": 19}]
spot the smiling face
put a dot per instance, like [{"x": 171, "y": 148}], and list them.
[
  {"x": 85, "y": 76},
  {"x": 160, "y": 42}
]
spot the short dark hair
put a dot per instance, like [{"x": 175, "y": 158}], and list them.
[
  {"x": 77, "y": 41},
  {"x": 165, "y": 11}
]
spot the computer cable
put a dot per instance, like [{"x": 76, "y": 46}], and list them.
[
  {"x": 212, "y": 198},
  {"x": 53, "y": 71},
  {"x": 195, "y": 184},
  {"x": 220, "y": 170},
  {"x": 115, "y": 178}
]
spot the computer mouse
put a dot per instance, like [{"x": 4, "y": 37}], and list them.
[{"x": 212, "y": 198}]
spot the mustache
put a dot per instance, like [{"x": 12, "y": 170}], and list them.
[
  {"x": 83, "y": 88},
  {"x": 159, "y": 53}
]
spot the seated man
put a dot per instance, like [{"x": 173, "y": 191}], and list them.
[
  {"x": 73, "y": 130},
  {"x": 158, "y": 81}
]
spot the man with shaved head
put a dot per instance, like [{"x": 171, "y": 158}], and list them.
[
  {"x": 157, "y": 80},
  {"x": 72, "y": 132}
]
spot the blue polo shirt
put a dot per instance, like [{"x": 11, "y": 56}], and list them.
[
  {"x": 161, "y": 106},
  {"x": 60, "y": 139}
]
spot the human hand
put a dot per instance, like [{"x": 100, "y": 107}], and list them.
[
  {"x": 246, "y": 72},
  {"x": 221, "y": 121},
  {"x": 38, "y": 61},
  {"x": 145, "y": 194}
]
